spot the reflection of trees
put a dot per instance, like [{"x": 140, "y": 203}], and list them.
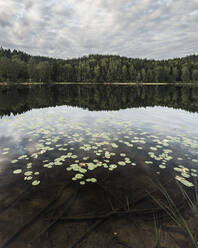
[{"x": 18, "y": 99}]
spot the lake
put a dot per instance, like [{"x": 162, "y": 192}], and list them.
[{"x": 74, "y": 157}]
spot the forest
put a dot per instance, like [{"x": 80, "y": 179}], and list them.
[{"x": 17, "y": 66}]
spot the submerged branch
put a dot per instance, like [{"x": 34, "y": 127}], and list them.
[
  {"x": 109, "y": 214},
  {"x": 67, "y": 204},
  {"x": 32, "y": 220},
  {"x": 90, "y": 229}
]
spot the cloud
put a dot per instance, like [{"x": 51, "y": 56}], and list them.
[{"x": 64, "y": 29}]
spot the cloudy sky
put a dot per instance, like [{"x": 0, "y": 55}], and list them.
[{"x": 73, "y": 28}]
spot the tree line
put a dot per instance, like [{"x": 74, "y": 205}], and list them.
[{"x": 17, "y": 66}]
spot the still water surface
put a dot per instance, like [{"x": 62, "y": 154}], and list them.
[
  {"x": 84, "y": 144},
  {"x": 121, "y": 138}
]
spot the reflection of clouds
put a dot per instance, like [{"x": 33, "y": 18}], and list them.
[
  {"x": 16, "y": 127},
  {"x": 164, "y": 117},
  {"x": 10, "y": 129},
  {"x": 42, "y": 125},
  {"x": 2, "y": 164},
  {"x": 54, "y": 120}
]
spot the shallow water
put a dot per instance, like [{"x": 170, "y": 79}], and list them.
[
  {"x": 149, "y": 138},
  {"x": 82, "y": 142}
]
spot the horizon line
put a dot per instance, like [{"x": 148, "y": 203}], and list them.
[{"x": 98, "y": 54}]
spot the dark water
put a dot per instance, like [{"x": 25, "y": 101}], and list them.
[
  {"x": 19, "y": 99},
  {"x": 121, "y": 138},
  {"x": 144, "y": 127}
]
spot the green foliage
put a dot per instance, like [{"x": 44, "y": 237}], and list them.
[
  {"x": 185, "y": 74},
  {"x": 44, "y": 71},
  {"x": 17, "y": 66},
  {"x": 195, "y": 75}
]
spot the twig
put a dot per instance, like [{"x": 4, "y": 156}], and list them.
[
  {"x": 176, "y": 241},
  {"x": 90, "y": 229},
  {"x": 67, "y": 203},
  {"x": 33, "y": 219},
  {"x": 18, "y": 198},
  {"x": 109, "y": 193},
  {"x": 106, "y": 215},
  {"x": 121, "y": 242}
]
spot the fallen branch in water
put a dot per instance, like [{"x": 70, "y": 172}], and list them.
[
  {"x": 106, "y": 191},
  {"x": 107, "y": 215},
  {"x": 90, "y": 229},
  {"x": 33, "y": 219},
  {"x": 96, "y": 224},
  {"x": 67, "y": 204},
  {"x": 13, "y": 202},
  {"x": 121, "y": 242}
]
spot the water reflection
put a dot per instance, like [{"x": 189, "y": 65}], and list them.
[
  {"x": 114, "y": 158},
  {"x": 85, "y": 142},
  {"x": 18, "y": 99}
]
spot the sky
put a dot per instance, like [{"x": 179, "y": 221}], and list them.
[{"x": 153, "y": 29}]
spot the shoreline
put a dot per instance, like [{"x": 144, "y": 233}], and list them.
[{"x": 91, "y": 83}]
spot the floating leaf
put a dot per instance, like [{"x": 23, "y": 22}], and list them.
[
  {"x": 35, "y": 182},
  {"x": 14, "y": 161},
  {"x": 28, "y": 173},
  {"x": 121, "y": 163},
  {"x": 18, "y": 171}
]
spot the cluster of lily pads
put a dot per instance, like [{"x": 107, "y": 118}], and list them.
[{"x": 107, "y": 143}]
